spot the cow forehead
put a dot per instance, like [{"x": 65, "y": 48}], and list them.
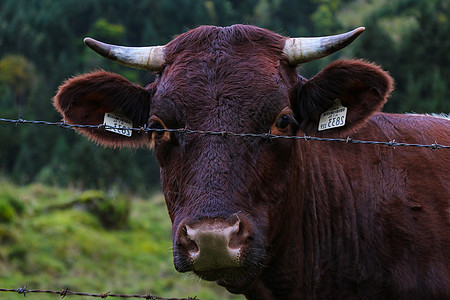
[
  {"x": 228, "y": 76},
  {"x": 203, "y": 88},
  {"x": 223, "y": 73}
]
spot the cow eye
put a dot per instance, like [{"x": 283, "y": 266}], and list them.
[
  {"x": 158, "y": 126},
  {"x": 283, "y": 122}
]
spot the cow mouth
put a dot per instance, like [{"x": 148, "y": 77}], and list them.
[
  {"x": 225, "y": 274},
  {"x": 235, "y": 280}
]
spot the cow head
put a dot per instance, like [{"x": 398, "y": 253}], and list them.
[{"x": 232, "y": 200}]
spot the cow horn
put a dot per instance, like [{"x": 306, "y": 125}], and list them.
[
  {"x": 147, "y": 58},
  {"x": 300, "y": 50}
]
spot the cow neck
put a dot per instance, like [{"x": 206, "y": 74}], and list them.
[
  {"x": 281, "y": 277},
  {"x": 329, "y": 215}
]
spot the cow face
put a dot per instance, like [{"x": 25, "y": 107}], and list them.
[
  {"x": 232, "y": 200},
  {"x": 223, "y": 193}
]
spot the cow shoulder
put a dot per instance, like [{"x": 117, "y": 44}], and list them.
[
  {"x": 86, "y": 98},
  {"x": 361, "y": 86}
]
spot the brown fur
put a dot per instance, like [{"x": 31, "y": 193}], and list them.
[{"x": 325, "y": 220}]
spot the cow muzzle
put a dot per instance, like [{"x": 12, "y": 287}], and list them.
[{"x": 212, "y": 248}]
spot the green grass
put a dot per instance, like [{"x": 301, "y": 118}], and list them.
[{"x": 68, "y": 247}]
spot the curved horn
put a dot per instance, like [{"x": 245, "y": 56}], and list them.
[
  {"x": 147, "y": 58},
  {"x": 300, "y": 50}
]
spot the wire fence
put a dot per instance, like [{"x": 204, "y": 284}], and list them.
[
  {"x": 66, "y": 292},
  {"x": 267, "y": 136}
]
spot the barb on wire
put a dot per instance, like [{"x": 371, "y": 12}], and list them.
[
  {"x": 267, "y": 136},
  {"x": 66, "y": 292}
]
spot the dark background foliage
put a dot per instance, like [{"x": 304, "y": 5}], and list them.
[{"x": 41, "y": 45}]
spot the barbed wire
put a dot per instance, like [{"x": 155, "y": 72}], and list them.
[
  {"x": 267, "y": 136},
  {"x": 66, "y": 292}
]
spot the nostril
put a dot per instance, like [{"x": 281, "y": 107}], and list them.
[
  {"x": 245, "y": 231},
  {"x": 185, "y": 242},
  {"x": 240, "y": 235}
]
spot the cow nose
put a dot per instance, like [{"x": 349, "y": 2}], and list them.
[{"x": 214, "y": 244}]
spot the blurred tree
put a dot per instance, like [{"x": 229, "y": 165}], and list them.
[
  {"x": 106, "y": 31},
  {"x": 425, "y": 60},
  {"x": 324, "y": 18},
  {"x": 410, "y": 39},
  {"x": 18, "y": 75}
]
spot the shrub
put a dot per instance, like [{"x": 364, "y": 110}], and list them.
[
  {"x": 7, "y": 212},
  {"x": 9, "y": 197},
  {"x": 112, "y": 212},
  {"x": 7, "y": 236}
]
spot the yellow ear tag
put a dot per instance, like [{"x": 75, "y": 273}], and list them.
[
  {"x": 334, "y": 117},
  {"x": 118, "y": 124}
]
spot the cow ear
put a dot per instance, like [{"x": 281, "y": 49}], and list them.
[
  {"x": 86, "y": 98},
  {"x": 361, "y": 87}
]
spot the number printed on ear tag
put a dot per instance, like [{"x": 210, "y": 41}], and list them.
[
  {"x": 334, "y": 117},
  {"x": 119, "y": 124}
]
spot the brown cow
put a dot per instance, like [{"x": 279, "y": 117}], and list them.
[{"x": 281, "y": 219}]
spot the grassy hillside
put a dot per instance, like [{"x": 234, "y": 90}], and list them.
[{"x": 58, "y": 238}]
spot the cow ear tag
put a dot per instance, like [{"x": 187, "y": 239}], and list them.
[
  {"x": 334, "y": 117},
  {"x": 118, "y": 124}
]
